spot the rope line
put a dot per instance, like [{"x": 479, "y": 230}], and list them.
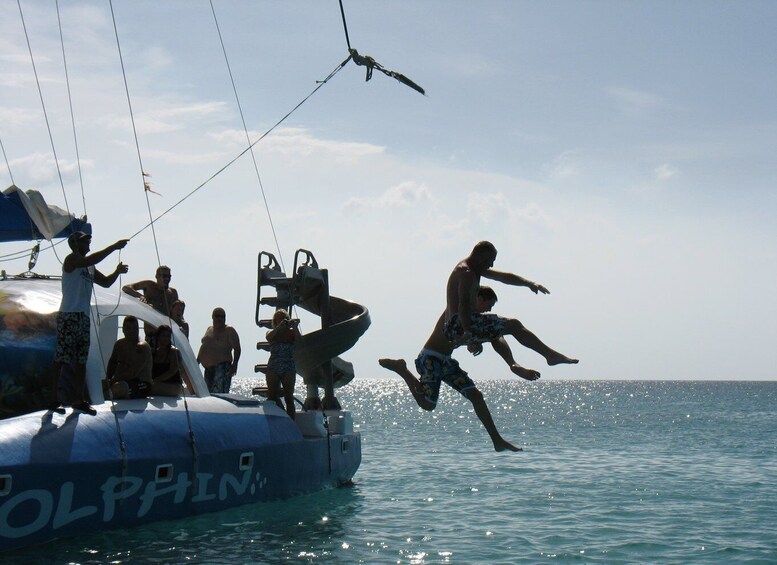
[
  {"x": 135, "y": 133},
  {"x": 244, "y": 151},
  {"x": 70, "y": 104},
  {"x": 245, "y": 129},
  {"x": 7, "y": 164},
  {"x": 345, "y": 26},
  {"x": 43, "y": 105}
]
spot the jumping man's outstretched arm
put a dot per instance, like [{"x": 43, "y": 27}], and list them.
[{"x": 515, "y": 280}]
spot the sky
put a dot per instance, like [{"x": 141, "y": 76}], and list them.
[{"x": 622, "y": 154}]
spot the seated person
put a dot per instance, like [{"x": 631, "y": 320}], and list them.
[
  {"x": 129, "y": 368},
  {"x": 167, "y": 364}
]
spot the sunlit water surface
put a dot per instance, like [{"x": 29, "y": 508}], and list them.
[{"x": 612, "y": 472}]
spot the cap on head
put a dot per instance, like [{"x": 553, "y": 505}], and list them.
[{"x": 77, "y": 236}]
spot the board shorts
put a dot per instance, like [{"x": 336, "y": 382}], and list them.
[
  {"x": 72, "y": 337},
  {"x": 218, "y": 378},
  {"x": 435, "y": 368},
  {"x": 138, "y": 388},
  {"x": 483, "y": 327}
]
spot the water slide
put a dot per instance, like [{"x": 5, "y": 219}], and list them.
[{"x": 342, "y": 322}]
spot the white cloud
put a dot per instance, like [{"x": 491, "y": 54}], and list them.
[
  {"x": 297, "y": 141},
  {"x": 489, "y": 207},
  {"x": 565, "y": 166},
  {"x": 39, "y": 168},
  {"x": 404, "y": 194},
  {"x": 664, "y": 172},
  {"x": 19, "y": 117},
  {"x": 485, "y": 206},
  {"x": 169, "y": 119}
]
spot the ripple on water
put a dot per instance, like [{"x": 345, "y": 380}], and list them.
[{"x": 613, "y": 472}]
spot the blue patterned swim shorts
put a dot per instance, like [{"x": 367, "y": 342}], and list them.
[
  {"x": 435, "y": 368},
  {"x": 484, "y": 327},
  {"x": 72, "y": 337}
]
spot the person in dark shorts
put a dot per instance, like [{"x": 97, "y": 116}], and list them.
[
  {"x": 129, "y": 368},
  {"x": 73, "y": 319},
  {"x": 167, "y": 368},
  {"x": 435, "y": 365},
  {"x": 464, "y": 325},
  {"x": 219, "y": 353}
]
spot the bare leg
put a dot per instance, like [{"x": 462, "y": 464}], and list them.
[
  {"x": 526, "y": 338},
  {"x": 501, "y": 347},
  {"x": 399, "y": 366},
  {"x": 80, "y": 403},
  {"x": 482, "y": 411},
  {"x": 288, "y": 393},
  {"x": 273, "y": 388}
]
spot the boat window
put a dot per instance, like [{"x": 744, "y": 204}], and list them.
[
  {"x": 246, "y": 461},
  {"x": 5, "y": 484},
  {"x": 164, "y": 473}
]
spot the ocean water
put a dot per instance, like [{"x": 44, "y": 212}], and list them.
[{"x": 611, "y": 472}]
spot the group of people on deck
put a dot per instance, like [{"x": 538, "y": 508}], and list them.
[
  {"x": 154, "y": 367},
  {"x": 136, "y": 368}
]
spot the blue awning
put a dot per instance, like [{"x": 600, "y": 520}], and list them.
[{"x": 25, "y": 216}]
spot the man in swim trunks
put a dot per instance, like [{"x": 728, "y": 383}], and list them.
[
  {"x": 129, "y": 368},
  {"x": 219, "y": 353},
  {"x": 464, "y": 325},
  {"x": 73, "y": 331},
  {"x": 435, "y": 365},
  {"x": 158, "y": 294}
]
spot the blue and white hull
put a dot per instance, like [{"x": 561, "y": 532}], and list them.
[{"x": 139, "y": 461}]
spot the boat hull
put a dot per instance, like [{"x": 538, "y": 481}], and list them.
[{"x": 139, "y": 461}]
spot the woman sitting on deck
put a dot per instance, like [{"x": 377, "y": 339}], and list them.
[{"x": 167, "y": 368}]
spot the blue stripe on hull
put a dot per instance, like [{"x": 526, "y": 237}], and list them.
[{"x": 68, "y": 475}]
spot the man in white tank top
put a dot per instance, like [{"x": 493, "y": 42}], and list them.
[{"x": 78, "y": 275}]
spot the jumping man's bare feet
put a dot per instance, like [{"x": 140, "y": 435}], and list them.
[
  {"x": 504, "y": 445},
  {"x": 557, "y": 358},
  {"x": 395, "y": 365},
  {"x": 524, "y": 373},
  {"x": 399, "y": 366}
]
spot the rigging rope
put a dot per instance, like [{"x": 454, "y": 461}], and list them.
[
  {"x": 70, "y": 103},
  {"x": 7, "y": 164},
  {"x": 43, "y": 105},
  {"x": 345, "y": 26},
  {"x": 246, "y": 150},
  {"x": 245, "y": 129},
  {"x": 135, "y": 133},
  {"x": 192, "y": 439}
]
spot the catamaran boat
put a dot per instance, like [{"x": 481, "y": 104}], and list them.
[{"x": 141, "y": 460}]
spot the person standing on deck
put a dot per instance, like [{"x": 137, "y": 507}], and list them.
[
  {"x": 73, "y": 320},
  {"x": 219, "y": 353},
  {"x": 158, "y": 294}
]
